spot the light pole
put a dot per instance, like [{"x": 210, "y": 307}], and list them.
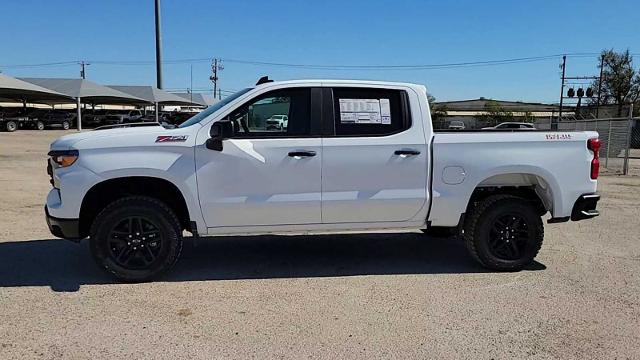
[
  {"x": 158, "y": 48},
  {"x": 158, "y": 55}
]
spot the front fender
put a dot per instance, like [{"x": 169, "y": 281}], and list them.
[{"x": 176, "y": 166}]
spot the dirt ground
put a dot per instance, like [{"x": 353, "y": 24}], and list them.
[{"x": 327, "y": 297}]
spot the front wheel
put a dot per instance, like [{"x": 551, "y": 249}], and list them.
[
  {"x": 136, "y": 238},
  {"x": 504, "y": 232},
  {"x": 11, "y": 126},
  {"x": 39, "y": 125},
  {"x": 66, "y": 125}
]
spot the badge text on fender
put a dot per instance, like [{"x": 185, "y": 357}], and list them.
[{"x": 175, "y": 138}]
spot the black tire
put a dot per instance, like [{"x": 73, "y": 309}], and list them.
[
  {"x": 66, "y": 125},
  {"x": 11, "y": 126},
  {"x": 39, "y": 125},
  {"x": 504, "y": 232},
  {"x": 116, "y": 247}
]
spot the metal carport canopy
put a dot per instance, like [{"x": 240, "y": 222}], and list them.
[
  {"x": 153, "y": 95},
  {"x": 85, "y": 90},
  {"x": 199, "y": 98},
  {"x": 16, "y": 89}
]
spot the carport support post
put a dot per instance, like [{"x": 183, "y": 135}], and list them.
[
  {"x": 625, "y": 166},
  {"x": 79, "y": 116},
  {"x": 157, "y": 115}
]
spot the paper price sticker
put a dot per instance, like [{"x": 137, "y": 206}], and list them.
[{"x": 365, "y": 111}]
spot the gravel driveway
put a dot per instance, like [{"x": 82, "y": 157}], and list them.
[{"x": 383, "y": 295}]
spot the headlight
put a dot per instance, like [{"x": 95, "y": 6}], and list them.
[{"x": 63, "y": 158}]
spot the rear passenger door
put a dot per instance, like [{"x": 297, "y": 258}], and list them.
[{"x": 374, "y": 163}]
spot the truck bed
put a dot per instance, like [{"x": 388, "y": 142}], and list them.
[{"x": 555, "y": 163}]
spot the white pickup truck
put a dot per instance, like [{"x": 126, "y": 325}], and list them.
[{"x": 355, "y": 156}]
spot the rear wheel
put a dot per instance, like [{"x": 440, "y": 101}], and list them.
[
  {"x": 66, "y": 125},
  {"x": 136, "y": 238},
  {"x": 39, "y": 125},
  {"x": 504, "y": 232},
  {"x": 11, "y": 126}
]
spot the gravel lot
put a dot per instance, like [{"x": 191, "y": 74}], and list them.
[{"x": 350, "y": 296}]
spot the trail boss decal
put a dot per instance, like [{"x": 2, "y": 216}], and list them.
[
  {"x": 558, "y": 136},
  {"x": 175, "y": 138}
]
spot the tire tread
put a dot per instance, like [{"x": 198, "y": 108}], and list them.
[
  {"x": 473, "y": 221},
  {"x": 153, "y": 203}
]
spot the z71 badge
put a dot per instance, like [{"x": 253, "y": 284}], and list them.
[{"x": 175, "y": 138}]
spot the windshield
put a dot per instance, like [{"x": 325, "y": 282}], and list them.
[{"x": 213, "y": 108}]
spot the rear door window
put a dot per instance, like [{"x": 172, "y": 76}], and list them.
[{"x": 369, "y": 112}]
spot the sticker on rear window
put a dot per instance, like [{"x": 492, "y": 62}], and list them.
[{"x": 365, "y": 111}]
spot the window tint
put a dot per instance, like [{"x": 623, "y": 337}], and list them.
[
  {"x": 369, "y": 112},
  {"x": 276, "y": 113}
]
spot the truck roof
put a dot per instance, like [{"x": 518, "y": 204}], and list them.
[{"x": 345, "y": 82}]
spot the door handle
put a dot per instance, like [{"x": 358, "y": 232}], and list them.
[
  {"x": 300, "y": 154},
  {"x": 407, "y": 152}
]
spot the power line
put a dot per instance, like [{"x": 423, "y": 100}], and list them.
[
  {"x": 322, "y": 66},
  {"x": 394, "y": 67},
  {"x": 61, "y": 63}
]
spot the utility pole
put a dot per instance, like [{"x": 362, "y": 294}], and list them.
[
  {"x": 191, "y": 83},
  {"x": 554, "y": 126},
  {"x": 600, "y": 87},
  {"x": 82, "y": 70},
  {"x": 216, "y": 64},
  {"x": 158, "y": 48}
]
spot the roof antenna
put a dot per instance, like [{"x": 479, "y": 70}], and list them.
[{"x": 264, "y": 80}]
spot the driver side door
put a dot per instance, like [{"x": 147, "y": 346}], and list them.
[{"x": 264, "y": 177}]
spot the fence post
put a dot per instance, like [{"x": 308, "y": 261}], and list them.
[
  {"x": 625, "y": 167},
  {"x": 606, "y": 160}
]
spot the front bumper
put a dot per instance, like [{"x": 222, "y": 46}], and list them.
[
  {"x": 63, "y": 228},
  {"x": 585, "y": 207}
]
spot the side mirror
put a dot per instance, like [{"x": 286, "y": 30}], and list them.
[{"x": 219, "y": 131}]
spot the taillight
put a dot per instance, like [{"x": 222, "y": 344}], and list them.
[{"x": 594, "y": 145}]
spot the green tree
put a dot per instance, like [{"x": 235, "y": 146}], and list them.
[
  {"x": 620, "y": 81},
  {"x": 494, "y": 113},
  {"x": 438, "y": 112},
  {"x": 527, "y": 116}
]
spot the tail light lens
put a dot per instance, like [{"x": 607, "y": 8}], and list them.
[{"x": 594, "y": 145}]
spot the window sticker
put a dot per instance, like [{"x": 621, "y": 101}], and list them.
[
  {"x": 385, "y": 111},
  {"x": 365, "y": 111}
]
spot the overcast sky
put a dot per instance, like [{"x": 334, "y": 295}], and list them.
[{"x": 320, "y": 33}]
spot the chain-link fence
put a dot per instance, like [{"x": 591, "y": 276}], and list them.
[{"x": 620, "y": 151}]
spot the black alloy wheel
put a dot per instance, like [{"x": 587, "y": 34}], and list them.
[
  {"x": 509, "y": 236},
  {"x": 135, "y": 243},
  {"x": 136, "y": 238},
  {"x": 504, "y": 232}
]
